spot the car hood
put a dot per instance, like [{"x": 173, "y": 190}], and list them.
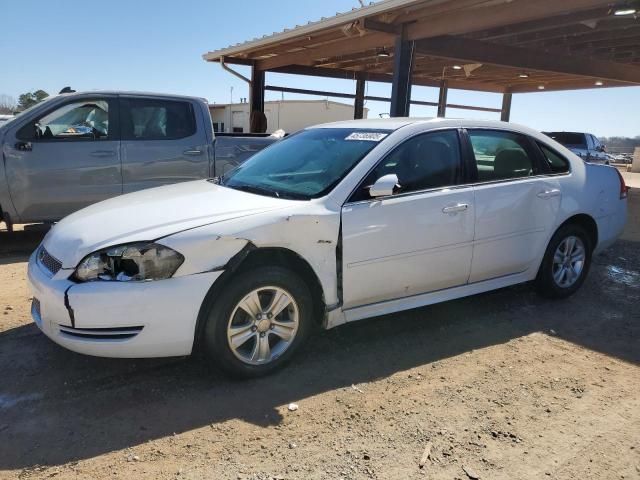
[{"x": 151, "y": 214}]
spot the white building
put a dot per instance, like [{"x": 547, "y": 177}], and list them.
[{"x": 288, "y": 115}]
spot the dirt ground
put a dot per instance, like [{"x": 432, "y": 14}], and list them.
[{"x": 504, "y": 385}]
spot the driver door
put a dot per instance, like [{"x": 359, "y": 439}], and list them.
[
  {"x": 65, "y": 160},
  {"x": 419, "y": 239}
]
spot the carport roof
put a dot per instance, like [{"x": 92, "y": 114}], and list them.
[{"x": 487, "y": 45}]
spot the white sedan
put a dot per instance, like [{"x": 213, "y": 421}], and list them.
[{"x": 336, "y": 223}]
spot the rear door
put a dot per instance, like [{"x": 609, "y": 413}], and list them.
[
  {"x": 65, "y": 159},
  {"x": 516, "y": 204},
  {"x": 163, "y": 142}
]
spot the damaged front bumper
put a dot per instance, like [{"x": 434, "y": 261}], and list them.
[{"x": 118, "y": 319}]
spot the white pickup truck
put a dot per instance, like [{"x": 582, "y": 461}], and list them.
[{"x": 76, "y": 149}]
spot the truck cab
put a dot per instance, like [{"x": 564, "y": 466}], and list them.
[{"x": 76, "y": 149}]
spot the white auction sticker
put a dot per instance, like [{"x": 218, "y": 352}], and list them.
[{"x": 367, "y": 136}]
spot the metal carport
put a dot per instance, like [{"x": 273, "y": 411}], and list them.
[{"x": 501, "y": 46}]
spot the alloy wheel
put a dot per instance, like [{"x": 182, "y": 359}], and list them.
[
  {"x": 568, "y": 261},
  {"x": 263, "y": 325}
]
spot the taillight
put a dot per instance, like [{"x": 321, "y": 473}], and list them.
[{"x": 623, "y": 186}]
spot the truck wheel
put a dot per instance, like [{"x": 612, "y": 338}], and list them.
[
  {"x": 258, "y": 321},
  {"x": 565, "y": 264}
]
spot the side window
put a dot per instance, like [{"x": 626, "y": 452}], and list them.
[
  {"x": 151, "y": 119},
  {"x": 557, "y": 163},
  {"x": 430, "y": 160},
  {"x": 82, "y": 120},
  {"x": 590, "y": 142},
  {"x": 501, "y": 155}
]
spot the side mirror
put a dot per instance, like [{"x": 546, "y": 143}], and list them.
[{"x": 384, "y": 186}]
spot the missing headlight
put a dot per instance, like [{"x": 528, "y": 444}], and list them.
[{"x": 131, "y": 262}]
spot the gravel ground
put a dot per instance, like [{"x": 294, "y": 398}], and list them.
[{"x": 502, "y": 385}]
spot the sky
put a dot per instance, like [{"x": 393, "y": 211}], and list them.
[{"x": 158, "y": 45}]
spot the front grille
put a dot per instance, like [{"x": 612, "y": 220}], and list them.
[
  {"x": 49, "y": 262},
  {"x": 101, "y": 334}
]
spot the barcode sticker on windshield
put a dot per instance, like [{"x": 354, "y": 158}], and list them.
[{"x": 367, "y": 136}]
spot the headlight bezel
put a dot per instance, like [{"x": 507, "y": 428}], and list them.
[{"x": 141, "y": 261}]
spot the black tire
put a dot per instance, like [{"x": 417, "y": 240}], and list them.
[
  {"x": 545, "y": 283},
  {"x": 219, "y": 313}
]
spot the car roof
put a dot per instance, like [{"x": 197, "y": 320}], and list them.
[{"x": 429, "y": 123}]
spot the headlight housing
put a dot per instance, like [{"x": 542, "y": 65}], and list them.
[{"x": 131, "y": 262}]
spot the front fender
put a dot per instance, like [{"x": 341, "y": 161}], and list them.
[{"x": 312, "y": 236}]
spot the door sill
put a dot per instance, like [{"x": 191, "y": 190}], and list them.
[{"x": 420, "y": 300}]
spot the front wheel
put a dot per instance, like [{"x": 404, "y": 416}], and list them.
[
  {"x": 258, "y": 322},
  {"x": 565, "y": 263}
]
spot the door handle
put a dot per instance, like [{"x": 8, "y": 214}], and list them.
[
  {"x": 103, "y": 153},
  {"x": 23, "y": 146},
  {"x": 549, "y": 193},
  {"x": 459, "y": 207},
  {"x": 194, "y": 151}
]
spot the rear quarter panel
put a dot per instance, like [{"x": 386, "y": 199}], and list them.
[{"x": 593, "y": 190}]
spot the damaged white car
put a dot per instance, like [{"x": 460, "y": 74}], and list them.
[{"x": 336, "y": 223}]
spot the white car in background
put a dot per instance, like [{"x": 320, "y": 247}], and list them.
[{"x": 336, "y": 223}]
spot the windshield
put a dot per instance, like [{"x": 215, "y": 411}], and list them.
[
  {"x": 305, "y": 165},
  {"x": 569, "y": 139},
  {"x": 26, "y": 111}
]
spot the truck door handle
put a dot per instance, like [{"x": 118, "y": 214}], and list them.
[
  {"x": 103, "y": 153},
  {"x": 549, "y": 193},
  {"x": 194, "y": 151},
  {"x": 459, "y": 207}
]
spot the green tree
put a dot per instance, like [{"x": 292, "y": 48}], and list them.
[{"x": 28, "y": 99}]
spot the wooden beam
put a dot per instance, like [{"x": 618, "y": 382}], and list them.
[
  {"x": 466, "y": 84},
  {"x": 403, "y": 59},
  {"x": 475, "y": 51},
  {"x": 505, "y": 112},
  {"x": 550, "y": 22},
  {"x": 256, "y": 90},
  {"x": 376, "y": 26},
  {"x": 442, "y": 99},
  {"x": 345, "y": 46},
  {"x": 358, "y": 104},
  {"x": 496, "y": 15}
]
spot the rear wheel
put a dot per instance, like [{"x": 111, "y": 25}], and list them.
[
  {"x": 566, "y": 262},
  {"x": 258, "y": 322}
]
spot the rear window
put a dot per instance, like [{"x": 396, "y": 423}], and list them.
[
  {"x": 557, "y": 163},
  {"x": 569, "y": 139},
  {"x": 151, "y": 119}
]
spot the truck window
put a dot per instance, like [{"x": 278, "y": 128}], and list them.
[
  {"x": 81, "y": 120},
  {"x": 150, "y": 119},
  {"x": 569, "y": 139}
]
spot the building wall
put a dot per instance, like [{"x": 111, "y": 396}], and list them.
[{"x": 288, "y": 115}]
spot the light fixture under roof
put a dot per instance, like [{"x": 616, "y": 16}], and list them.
[
  {"x": 599, "y": 83},
  {"x": 540, "y": 87},
  {"x": 382, "y": 52},
  {"x": 624, "y": 11},
  {"x": 523, "y": 75},
  {"x": 457, "y": 67}
]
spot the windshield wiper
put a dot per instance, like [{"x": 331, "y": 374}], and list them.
[
  {"x": 266, "y": 191},
  {"x": 255, "y": 189}
]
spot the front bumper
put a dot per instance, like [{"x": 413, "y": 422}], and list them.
[{"x": 118, "y": 319}]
